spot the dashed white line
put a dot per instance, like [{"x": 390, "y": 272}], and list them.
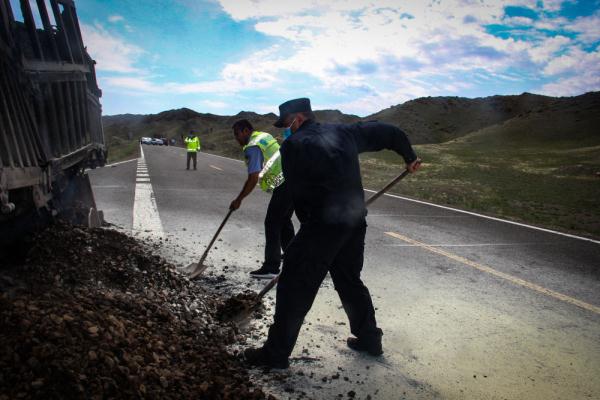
[{"x": 146, "y": 220}]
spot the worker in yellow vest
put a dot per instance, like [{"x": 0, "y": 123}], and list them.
[
  {"x": 193, "y": 145},
  {"x": 261, "y": 152}
]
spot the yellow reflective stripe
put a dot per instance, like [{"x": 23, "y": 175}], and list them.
[
  {"x": 269, "y": 164},
  {"x": 254, "y": 140}
]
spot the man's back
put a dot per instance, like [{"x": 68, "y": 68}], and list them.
[{"x": 321, "y": 165}]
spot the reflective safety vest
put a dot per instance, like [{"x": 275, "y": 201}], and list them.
[
  {"x": 193, "y": 144},
  {"x": 271, "y": 176}
]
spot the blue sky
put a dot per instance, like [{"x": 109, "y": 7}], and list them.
[{"x": 224, "y": 56}]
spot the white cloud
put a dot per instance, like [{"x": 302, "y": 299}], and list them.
[
  {"x": 588, "y": 28},
  {"x": 580, "y": 73},
  {"x": 116, "y": 18},
  {"x": 111, "y": 52},
  {"x": 553, "y": 5},
  {"x": 214, "y": 104},
  {"x": 246, "y": 9},
  {"x": 546, "y": 50},
  {"x": 378, "y": 52},
  {"x": 135, "y": 83},
  {"x": 351, "y": 44},
  {"x": 568, "y": 62}
]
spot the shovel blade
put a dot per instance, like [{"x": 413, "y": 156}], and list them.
[
  {"x": 188, "y": 268},
  {"x": 198, "y": 271}
]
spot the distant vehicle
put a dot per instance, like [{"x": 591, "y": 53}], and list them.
[
  {"x": 146, "y": 140},
  {"x": 157, "y": 142}
]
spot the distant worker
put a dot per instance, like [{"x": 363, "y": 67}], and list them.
[
  {"x": 322, "y": 172},
  {"x": 261, "y": 152},
  {"x": 193, "y": 145}
]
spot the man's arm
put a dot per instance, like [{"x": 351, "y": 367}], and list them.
[
  {"x": 249, "y": 186},
  {"x": 376, "y": 136},
  {"x": 255, "y": 161}
]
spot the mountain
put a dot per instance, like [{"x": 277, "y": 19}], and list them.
[
  {"x": 426, "y": 120},
  {"x": 572, "y": 122},
  {"x": 439, "y": 119}
]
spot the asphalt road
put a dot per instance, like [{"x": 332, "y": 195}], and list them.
[{"x": 471, "y": 307}]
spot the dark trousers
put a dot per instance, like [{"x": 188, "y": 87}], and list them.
[
  {"x": 279, "y": 230},
  {"x": 315, "y": 250},
  {"x": 191, "y": 155}
]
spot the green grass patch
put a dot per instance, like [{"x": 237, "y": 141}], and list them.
[
  {"x": 553, "y": 186},
  {"x": 122, "y": 149}
]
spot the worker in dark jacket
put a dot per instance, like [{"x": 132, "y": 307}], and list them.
[{"x": 322, "y": 172}]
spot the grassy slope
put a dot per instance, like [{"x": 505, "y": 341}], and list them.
[{"x": 540, "y": 168}]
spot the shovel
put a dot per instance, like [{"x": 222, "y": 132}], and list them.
[
  {"x": 274, "y": 281},
  {"x": 196, "y": 270}
]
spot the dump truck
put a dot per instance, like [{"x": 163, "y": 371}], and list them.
[{"x": 50, "y": 124}]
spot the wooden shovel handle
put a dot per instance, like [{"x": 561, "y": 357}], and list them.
[{"x": 214, "y": 238}]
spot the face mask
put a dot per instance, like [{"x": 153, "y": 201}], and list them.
[{"x": 288, "y": 131}]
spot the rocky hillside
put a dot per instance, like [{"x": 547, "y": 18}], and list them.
[
  {"x": 439, "y": 119},
  {"x": 568, "y": 122}
]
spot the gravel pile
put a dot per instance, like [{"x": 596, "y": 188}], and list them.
[
  {"x": 93, "y": 314},
  {"x": 239, "y": 306}
]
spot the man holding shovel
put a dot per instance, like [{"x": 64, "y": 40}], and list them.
[
  {"x": 322, "y": 172},
  {"x": 263, "y": 160}
]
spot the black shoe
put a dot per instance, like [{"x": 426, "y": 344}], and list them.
[
  {"x": 258, "y": 357},
  {"x": 373, "y": 347},
  {"x": 264, "y": 273}
]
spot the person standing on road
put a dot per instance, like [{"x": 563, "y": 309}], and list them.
[
  {"x": 261, "y": 152},
  {"x": 192, "y": 143},
  {"x": 321, "y": 168}
]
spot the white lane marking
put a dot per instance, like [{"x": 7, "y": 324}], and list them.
[
  {"x": 417, "y": 215},
  {"x": 146, "y": 220},
  {"x": 472, "y": 244},
  {"x": 120, "y": 162},
  {"x": 499, "y": 274},
  {"x": 488, "y": 217},
  {"x": 463, "y": 211},
  {"x": 140, "y": 175},
  {"x": 217, "y": 168},
  {"x": 226, "y": 158}
]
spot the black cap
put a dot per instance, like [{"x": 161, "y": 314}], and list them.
[{"x": 292, "y": 107}]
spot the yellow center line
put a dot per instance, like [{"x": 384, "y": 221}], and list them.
[
  {"x": 491, "y": 271},
  {"x": 212, "y": 166}
]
